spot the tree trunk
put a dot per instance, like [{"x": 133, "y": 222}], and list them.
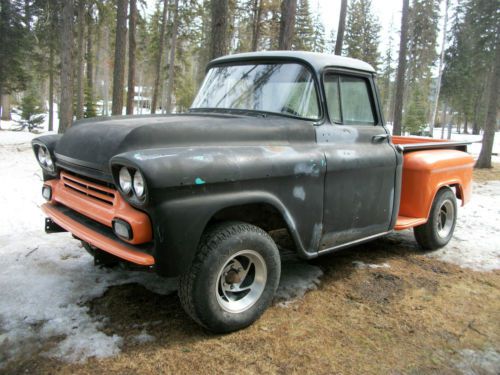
[
  {"x": 287, "y": 24},
  {"x": 131, "y": 57},
  {"x": 171, "y": 59},
  {"x": 90, "y": 111},
  {"x": 27, "y": 14},
  {"x": 154, "y": 100},
  {"x": 484, "y": 160},
  {"x": 51, "y": 86},
  {"x": 400, "y": 78},
  {"x": 119, "y": 63},
  {"x": 220, "y": 15},
  {"x": 257, "y": 15},
  {"x": 466, "y": 131},
  {"x": 5, "y": 104},
  {"x": 341, "y": 28},
  {"x": 445, "y": 112},
  {"x": 79, "y": 60},
  {"x": 98, "y": 53},
  {"x": 66, "y": 103},
  {"x": 440, "y": 71}
]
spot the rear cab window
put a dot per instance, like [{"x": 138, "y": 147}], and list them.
[{"x": 349, "y": 99}]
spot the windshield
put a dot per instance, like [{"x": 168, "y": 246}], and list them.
[{"x": 285, "y": 88}]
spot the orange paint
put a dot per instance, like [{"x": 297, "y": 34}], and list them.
[
  {"x": 98, "y": 240},
  {"x": 424, "y": 173},
  {"x": 400, "y": 140},
  {"x": 100, "y": 203}
]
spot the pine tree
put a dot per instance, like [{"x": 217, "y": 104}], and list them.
[
  {"x": 132, "y": 26},
  {"x": 79, "y": 59},
  {"x": 362, "y": 32},
  {"x": 287, "y": 24},
  {"x": 219, "y": 41},
  {"x": 171, "y": 60},
  {"x": 119, "y": 62},
  {"x": 341, "y": 28},
  {"x": 158, "y": 27},
  {"x": 423, "y": 24},
  {"x": 386, "y": 79},
  {"x": 303, "y": 38},
  {"x": 468, "y": 59},
  {"x": 66, "y": 102},
  {"x": 13, "y": 48},
  {"x": 440, "y": 73},
  {"x": 318, "y": 38},
  {"x": 32, "y": 110},
  {"x": 400, "y": 78},
  {"x": 89, "y": 58}
]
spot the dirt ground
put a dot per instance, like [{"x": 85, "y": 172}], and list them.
[{"x": 409, "y": 315}]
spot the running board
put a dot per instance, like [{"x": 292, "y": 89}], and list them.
[
  {"x": 352, "y": 243},
  {"x": 406, "y": 222}
]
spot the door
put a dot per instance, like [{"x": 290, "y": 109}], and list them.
[{"x": 361, "y": 162}]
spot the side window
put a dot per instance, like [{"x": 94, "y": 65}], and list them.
[
  {"x": 356, "y": 103},
  {"x": 349, "y": 100},
  {"x": 333, "y": 97}
]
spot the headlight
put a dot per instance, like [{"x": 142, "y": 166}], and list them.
[
  {"x": 125, "y": 180},
  {"x": 42, "y": 155},
  {"x": 138, "y": 184},
  {"x": 44, "y": 158}
]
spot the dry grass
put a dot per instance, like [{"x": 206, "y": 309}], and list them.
[
  {"x": 482, "y": 175},
  {"x": 410, "y": 318}
]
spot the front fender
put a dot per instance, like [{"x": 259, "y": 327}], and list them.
[{"x": 188, "y": 186}]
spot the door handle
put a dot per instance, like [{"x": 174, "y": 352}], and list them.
[{"x": 380, "y": 138}]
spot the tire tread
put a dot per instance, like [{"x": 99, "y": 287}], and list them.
[{"x": 209, "y": 241}]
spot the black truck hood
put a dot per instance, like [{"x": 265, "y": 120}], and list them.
[{"x": 92, "y": 143}]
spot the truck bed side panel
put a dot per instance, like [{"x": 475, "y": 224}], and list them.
[{"x": 425, "y": 172}]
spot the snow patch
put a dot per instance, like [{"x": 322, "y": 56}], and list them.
[
  {"x": 46, "y": 281},
  {"x": 476, "y": 241},
  {"x": 363, "y": 265},
  {"x": 478, "y": 362},
  {"x": 143, "y": 337}
]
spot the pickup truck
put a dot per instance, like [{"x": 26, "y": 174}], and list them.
[{"x": 290, "y": 141}]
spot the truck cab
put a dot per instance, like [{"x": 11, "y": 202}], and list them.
[{"x": 292, "y": 141}]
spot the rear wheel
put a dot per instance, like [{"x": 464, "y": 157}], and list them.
[
  {"x": 438, "y": 230},
  {"x": 233, "y": 277}
]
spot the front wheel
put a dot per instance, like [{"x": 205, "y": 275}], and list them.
[
  {"x": 438, "y": 230},
  {"x": 233, "y": 277}
]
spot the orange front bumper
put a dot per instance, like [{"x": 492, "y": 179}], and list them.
[
  {"x": 101, "y": 204},
  {"x": 100, "y": 241}
]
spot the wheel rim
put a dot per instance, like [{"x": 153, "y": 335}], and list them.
[
  {"x": 445, "y": 218},
  {"x": 241, "y": 281}
]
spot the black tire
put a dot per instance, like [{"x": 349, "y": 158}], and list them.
[
  {"x": 438, "y": 230},
  {"x": 200, "y": 289}
]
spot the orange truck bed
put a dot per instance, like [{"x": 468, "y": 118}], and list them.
[{"x": 428, "y": 165}]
